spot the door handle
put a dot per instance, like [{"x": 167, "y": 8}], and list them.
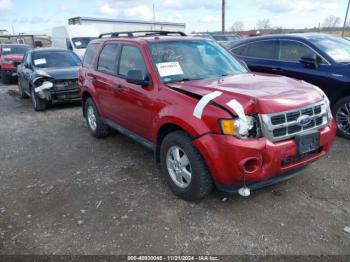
[{"x": 118, "y": 88}]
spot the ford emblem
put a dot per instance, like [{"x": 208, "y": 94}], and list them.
[{"x": 304, "y": 120}]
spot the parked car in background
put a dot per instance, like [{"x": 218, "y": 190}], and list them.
[
  {"x": 49, "y": 76},
  {"x": 207, "y": 36},
  {"x": 225, "y": 40},
  {"x": 208, "y": 120},
  {"x": 320, "y": 59},
  {"x": 11, "y": 55},
  {"x": 73, "y": 37}
]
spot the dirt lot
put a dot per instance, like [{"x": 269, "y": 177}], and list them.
[{"x": 64, "y": 192}]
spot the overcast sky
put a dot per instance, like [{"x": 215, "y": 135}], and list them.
[{"x": 39, "y": 16}]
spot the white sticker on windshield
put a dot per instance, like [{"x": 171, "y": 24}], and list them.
[
  {"x": 6, "y": 49},
  {"x": 169, "y": 69},
  {"x": 78, "y": 43},
  {"x": 40, "y": 61}
]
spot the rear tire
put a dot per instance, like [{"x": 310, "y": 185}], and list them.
[
  {"x": 183, "y": 167},
  {"x": 94, "y": 121},
  {"x": 341, "y": 113},
  {"x": 38, "y": 103}
]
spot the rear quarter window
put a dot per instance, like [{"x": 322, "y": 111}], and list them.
[{"x": 89, "y": 55}]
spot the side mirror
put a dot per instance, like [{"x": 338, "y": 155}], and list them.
[
  {"x": 137, "y": 77},
  {"x": 310, "y": 61}
]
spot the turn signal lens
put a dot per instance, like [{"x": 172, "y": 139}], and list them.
[{"x": 228, "y": 127}]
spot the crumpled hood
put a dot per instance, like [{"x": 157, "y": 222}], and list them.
[
  {"x": 58, "y": 73},
  {"x": 16, "y": 58},
  {"x": 260, "y": 93}
]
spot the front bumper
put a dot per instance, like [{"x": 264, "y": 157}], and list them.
[
  {"x": 55, "y": 96},
  {"x": 226, "y": 156},
  {"x": 9, "y": 73},
  {"x": 66, "y": 95}
]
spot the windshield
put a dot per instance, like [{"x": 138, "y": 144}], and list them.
[
  {"x": 57, "y": 59},
  {"x": 15, "y": 49},
  {"x": 336, "y": 47},
  {"x": 82, "y": 42},
  {"x": 190, "y": 60}
]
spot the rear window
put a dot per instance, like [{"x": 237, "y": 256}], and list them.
[
  {"x": 89, "y": 55},
  {"x": 261, "y": 49},
  {"x": 107, "y": 59}
]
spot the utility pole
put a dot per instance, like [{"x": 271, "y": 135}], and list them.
[
  {"x": 154, "y": 18},
  {"x": 223, "y": 17},
  {"x": 346, "y": 18}
]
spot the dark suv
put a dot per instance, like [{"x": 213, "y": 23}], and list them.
[
  {"x": 207, "y": 119},
  {"x": 320, "y": 59}
]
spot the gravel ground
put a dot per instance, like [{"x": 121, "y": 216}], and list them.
[{"x": 64, "y": 192}]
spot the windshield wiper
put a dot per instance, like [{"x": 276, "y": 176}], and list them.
[{"x": 183, "y": 80}]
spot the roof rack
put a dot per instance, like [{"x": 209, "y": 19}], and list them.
[{"x": 142, "y": 34}]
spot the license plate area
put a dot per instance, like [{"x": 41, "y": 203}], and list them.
[{"x": 308, "y": 142}]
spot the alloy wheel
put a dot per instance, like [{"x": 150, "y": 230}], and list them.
[
  {"x": 91, "y": 118},
  {"x": 343, "y": 118},
  {"x": 179, "y": 167}
]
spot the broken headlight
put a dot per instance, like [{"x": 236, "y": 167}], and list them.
[{"x": 248, "y": 128}]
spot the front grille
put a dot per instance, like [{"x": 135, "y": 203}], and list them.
[
  {"x": 61, "y": 85},
  {"x": 284, "y": 125}
]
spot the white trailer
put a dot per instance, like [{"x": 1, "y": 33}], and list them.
[
  {"x": 74, "y": 37},
  {"x": 116, "y": 25}
]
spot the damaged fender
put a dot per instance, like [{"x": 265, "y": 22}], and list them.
[{"x": 41, "y": 86}]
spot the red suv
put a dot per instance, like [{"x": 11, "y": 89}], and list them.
[
  {"x": 209, "y": 121},
  {"x": 11, "y": 55}
]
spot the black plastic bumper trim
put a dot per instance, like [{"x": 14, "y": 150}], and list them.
[{"x": 261, "y": 184}]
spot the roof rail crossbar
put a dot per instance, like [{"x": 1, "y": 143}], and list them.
[{"x": 145, "y": 33}]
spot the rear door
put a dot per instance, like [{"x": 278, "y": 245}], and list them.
[
  {"x": 260, "y": 56},
  {"x": 105, "y": 79}
]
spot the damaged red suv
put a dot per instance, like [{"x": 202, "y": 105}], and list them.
[{"x": 209, "y": 121}]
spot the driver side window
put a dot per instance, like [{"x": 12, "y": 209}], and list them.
[
  {"x": 131, "y": 59},
  {"x": 292, "y": 51}
]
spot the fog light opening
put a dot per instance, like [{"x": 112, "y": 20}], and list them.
[{"x": 251, "y": 165}]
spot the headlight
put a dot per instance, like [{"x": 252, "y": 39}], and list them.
[
  {"x": 328, "y": 109},
  {"x": 234, "y": 127}
]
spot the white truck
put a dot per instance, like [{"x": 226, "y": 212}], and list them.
[
  {"x": 104, "y": 25},
  {"x": 74, "y": 37}
]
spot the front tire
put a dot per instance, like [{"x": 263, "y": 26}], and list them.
[
  {"x": 94, "y": 121},
  {"x": 5, "y": 79},
  {"x": 38, "y": 103},
  {"x": 183, "y": 167},
  {"x": 341, "y": 112},
  {"x": 20, "y": 90}
]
